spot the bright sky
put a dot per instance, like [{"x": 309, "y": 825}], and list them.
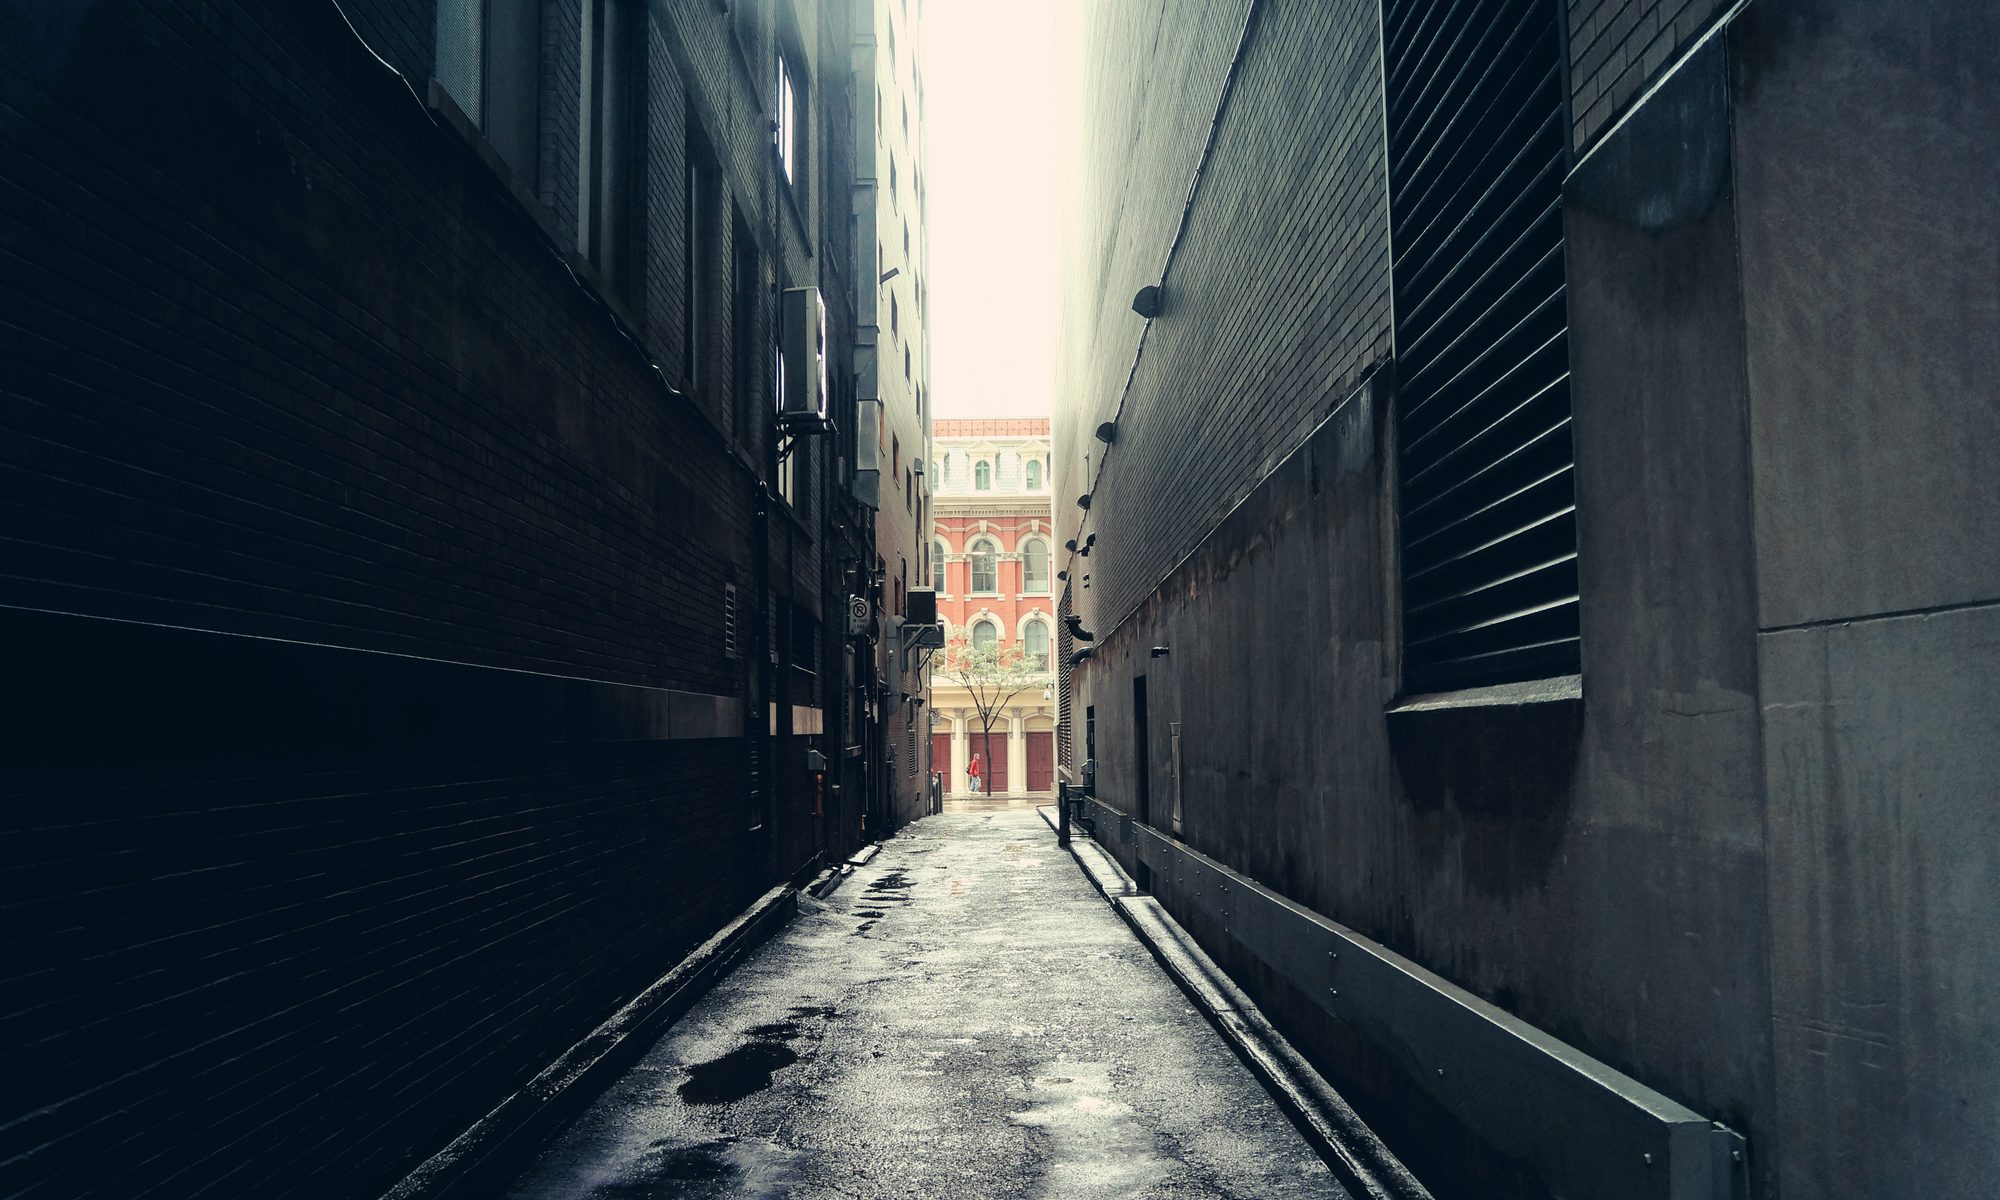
[{"x": 993, "y": 82}]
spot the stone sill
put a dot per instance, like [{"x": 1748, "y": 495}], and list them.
[{"x": 1560, "y": 690}]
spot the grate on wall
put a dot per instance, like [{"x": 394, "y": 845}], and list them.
[{"x": 1477, "y": 150}]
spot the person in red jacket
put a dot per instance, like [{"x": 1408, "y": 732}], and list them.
[{"x": 972, "y": 771}]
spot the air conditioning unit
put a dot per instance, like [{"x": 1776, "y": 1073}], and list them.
[
  {"x": 803, "y": 334},
  {"x": 920, "y": 606}
]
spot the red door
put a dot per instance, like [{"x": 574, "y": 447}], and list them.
[
  {"x": 1041, "y": 761},
  {"x": 941, "y": 761},
  {"x": 992, "y": 759}
]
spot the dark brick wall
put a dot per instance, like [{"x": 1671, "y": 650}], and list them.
[
  {"x": 303, "y": 979},
  {"x": 279, "y": 353},
  {"x": 355, "y": 553},
  {"x": 1277, "y": 298},
  {"x": 404, "y": 32},
  {"x": 1617, "y": 47}
]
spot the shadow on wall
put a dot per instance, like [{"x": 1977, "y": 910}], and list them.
[{"x": 1494, "y": 784}]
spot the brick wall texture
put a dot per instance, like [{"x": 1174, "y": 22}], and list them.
[
  {"x": 1617, "y": 47},
  {"x": 1277, "y": 295},
  {"x": 1277, "y": 298},
  {"x": 352, "y": 546}
]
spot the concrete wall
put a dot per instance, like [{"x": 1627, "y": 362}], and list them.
[
  {"x": 1866, "y": 150},
  {"x": 1745, "y": 862}
]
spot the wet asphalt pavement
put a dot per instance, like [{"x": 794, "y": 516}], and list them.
[{"x": 965, "y": 1017}]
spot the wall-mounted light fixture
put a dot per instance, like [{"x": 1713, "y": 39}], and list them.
[
  {"x": 1062, "y": 574},
  {"x": 1147, "y": 302},
  {"x": 1070, "y": 545},
  {"x": 1107, "y": 432},
  {"x": 1159, "y": 652},
  {"x": 889, "y": 274},
  {"x": 1083, "y": 501},
  {"x": 1077, "y": 631}
]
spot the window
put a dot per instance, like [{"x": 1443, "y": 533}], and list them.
[
  {"x": 701, "y": 236},
  {"x": 788, "y": 469},
  {"x": 788, "y": 134},
  {"x": 895, "y": 458},
  {"x": 1035, "y": 566},
  {"x": 461, "y": 53},
  {"x": 613, "y": 82},
  {"x": 1477, "y": 152},
  {"x": 985, "y": 635},
  {"x": 1034, "y": 474},
  {"x": 746, "y": 281},
  {"x": 906, "y": 364},
  {"x": 985, "y": 566},
  {"x": 937, "y": 567},
  {"x": 895, "y": 316},
  {"x": 489, "y": 58},
  {"x": 982, "y": 476},
  {"x": 1035, "y": 642}
]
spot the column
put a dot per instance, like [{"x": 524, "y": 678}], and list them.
[
  {"x": 961, "y": 755},
  {"x": 1017, "y": 755}
]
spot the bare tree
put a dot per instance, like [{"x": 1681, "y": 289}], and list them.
[{"x": 992, "y": 676}]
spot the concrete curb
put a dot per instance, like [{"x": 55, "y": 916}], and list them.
[
  {"x": 829, "y": 882},
  {"x": 475, "y": 1161},
  {"x": 1351, "y": 1149}
]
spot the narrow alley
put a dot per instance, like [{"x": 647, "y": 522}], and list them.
[{"x": 964, "y": 1017}]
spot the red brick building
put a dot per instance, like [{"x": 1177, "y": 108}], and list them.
[{"x": 992, "y": 561}]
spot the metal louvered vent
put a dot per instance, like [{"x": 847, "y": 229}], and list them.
[
  {"x": 1477, "y": 148},
  {"x": 730, "y": 647},
  {"x": 1065, "y": 646}
]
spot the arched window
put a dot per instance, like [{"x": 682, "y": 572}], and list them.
[
  {"x": 937, "y": 567},
  {"x": 982, "y": 475},
  {"x": 985, "y": 566},
  {"x": 1035, "y": 565},
  {"x": 1034, "y": 474},
  {"x": 985, "y": 634},
  {"x": 1035, "y": 642}
]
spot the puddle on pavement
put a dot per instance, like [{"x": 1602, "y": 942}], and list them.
[
  {"x": 743, "y": 1071},
  {"x": 894, "y": 881},
  {"x": 681, "y": 1164},
  {"x": 756, "y": 1168},
  {"x": 748, "y": 1069}
]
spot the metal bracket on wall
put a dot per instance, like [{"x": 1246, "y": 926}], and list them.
[{"x": 791, "y": 430}]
